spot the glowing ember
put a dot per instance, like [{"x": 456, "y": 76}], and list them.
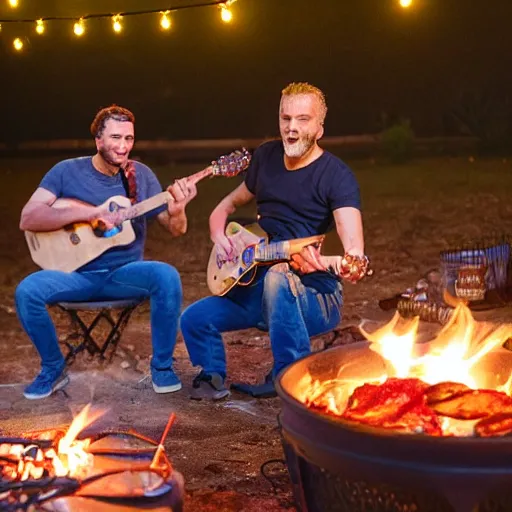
[{"x": 437, "y": 388}]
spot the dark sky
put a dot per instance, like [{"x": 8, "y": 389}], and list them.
[{"x": 205, "y": 79}]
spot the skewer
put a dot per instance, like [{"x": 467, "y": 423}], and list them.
[{"x": 160, "y": 448}]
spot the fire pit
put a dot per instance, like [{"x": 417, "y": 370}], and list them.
[
  {"x": 60, "y": 470},
  {"x": 341, "y": 465}
]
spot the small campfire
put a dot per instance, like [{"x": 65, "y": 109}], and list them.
[
  {"x": 446, "y": 387},
  {"x": 60, "y": 470}
]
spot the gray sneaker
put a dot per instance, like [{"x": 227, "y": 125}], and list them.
[{"x": 209, "y": 386}]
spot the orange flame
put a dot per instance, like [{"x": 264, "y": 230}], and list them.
[
  {"x": 72, "y": 457},
  {"x": 452, "y": 356}
]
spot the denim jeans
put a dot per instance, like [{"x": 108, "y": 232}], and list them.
[
  {"x": 276, "y": 301},
  {"x": 157, "y": 281}
]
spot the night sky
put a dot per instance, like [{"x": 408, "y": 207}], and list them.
[{"x": 206, "y": 79}]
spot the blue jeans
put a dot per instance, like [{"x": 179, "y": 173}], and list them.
[
  {"x": 276, "y": 301},
  {"x": 155, "y": 280}
]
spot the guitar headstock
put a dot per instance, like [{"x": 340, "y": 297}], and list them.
[{"x": 232, "y": 164}]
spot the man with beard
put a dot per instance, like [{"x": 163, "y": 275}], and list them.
[
  {"x": 118, "y": 273},
  {"x": 300, "y": 190}
]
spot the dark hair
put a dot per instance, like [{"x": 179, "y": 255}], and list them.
[{"x": 113, "y": 112}]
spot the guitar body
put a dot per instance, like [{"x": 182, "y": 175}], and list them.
[
  {"x": 71, "y": 247},
  {"x": 251, "y": 249}
]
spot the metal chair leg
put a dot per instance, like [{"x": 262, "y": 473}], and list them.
[{"x": 85, "y": 333}]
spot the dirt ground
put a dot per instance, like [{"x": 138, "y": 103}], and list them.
[{"x": 410, "y": 213}]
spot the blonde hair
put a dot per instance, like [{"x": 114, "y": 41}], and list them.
[{"x": 296, "y": 88}]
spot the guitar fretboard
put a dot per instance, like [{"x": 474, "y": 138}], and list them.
[
  {"x": 272, "y": 252},
  {"x": 159, "y": 199}
]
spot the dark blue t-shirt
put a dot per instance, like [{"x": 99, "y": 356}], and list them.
[
  {"x": 77, "y": 178},
  {"x": 299, "y": 203}
]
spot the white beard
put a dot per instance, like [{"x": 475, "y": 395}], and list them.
[{"x": 299, "y": 148}]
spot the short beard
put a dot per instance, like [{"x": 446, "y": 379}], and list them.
[
  {"x": 104, "y": 155},
  {"x": 300, "y": 148}
]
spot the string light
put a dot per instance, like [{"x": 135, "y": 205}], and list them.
[
  {"x": 225, "y": 13},
  {"x": 116, "y": 23},
  {"x": 165, "y": 20},
  {"x": 40, "y": 27},
  {"x": 405, "y": 3},
  {"x": 79, "y": 27},
  {"x": 18, "y": 44}
]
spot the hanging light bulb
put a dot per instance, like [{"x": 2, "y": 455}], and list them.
[
  {"x": 116, "y": 23},
  {"x": 165, "y": 20},
  {"x": 79, "y": 27},
  {"x": 40, "y": 27},
  {"x": 405, "y": 3},
  {"x": 13, "y": 3},
  {"x": 225, "y": 13},
  {"x": 18, "y": 44}
]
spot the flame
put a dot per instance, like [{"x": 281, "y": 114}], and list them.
[
  {"x": 452, "y": 356},
  {"x": 72, "y": 457}
]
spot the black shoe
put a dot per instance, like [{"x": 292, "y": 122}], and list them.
[
  {"x": 209, "y": 386},
  {"x": 265, "y": 390}
]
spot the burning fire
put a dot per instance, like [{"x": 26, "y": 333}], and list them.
[
  {"x": 46, "y": 465},
  {"x": 72, "y": 457},
  {"x": 438, "y": 387},
  {"x": 67, "y": 458}
]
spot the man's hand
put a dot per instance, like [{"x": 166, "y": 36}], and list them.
[
  {"x": 307, "y": 260},
  {"x": 105, "y": 220},
  {"x": 182, "y": 192},
  {"x": 349, "y": 267},
  {"x": 223, "y": 246}
]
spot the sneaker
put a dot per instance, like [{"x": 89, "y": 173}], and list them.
[
  {"x": 209, "y": 386},
  {"x": 165, "y": 381},
  {"x": 265, "y": 390},
  {"x": 48, "y": 381}
]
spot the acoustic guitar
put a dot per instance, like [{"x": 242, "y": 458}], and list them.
[
  {"x": 251, "y": 249},
  {"x": 72, "y": 246}
]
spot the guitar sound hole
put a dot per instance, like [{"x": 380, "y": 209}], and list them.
[{"x": 74, "y": 239}]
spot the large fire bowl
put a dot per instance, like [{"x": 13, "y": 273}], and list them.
[{"x": 339, "y": 466}]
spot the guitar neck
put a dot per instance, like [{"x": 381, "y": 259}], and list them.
[
  {"x": 277, "y": 251},
  {"x": 162, "y": 198}
]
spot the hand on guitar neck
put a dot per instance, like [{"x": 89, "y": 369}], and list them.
[
  {"x": 182, "y": 192},
  {"x": 349, "y": 267}
]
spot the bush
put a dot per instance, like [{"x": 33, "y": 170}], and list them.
[{"x": 397, "y": 141}]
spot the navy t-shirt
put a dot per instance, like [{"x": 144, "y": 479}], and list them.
[
  {"x": 77, "y": 178},
  {"x": 299, "y": 203}
]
